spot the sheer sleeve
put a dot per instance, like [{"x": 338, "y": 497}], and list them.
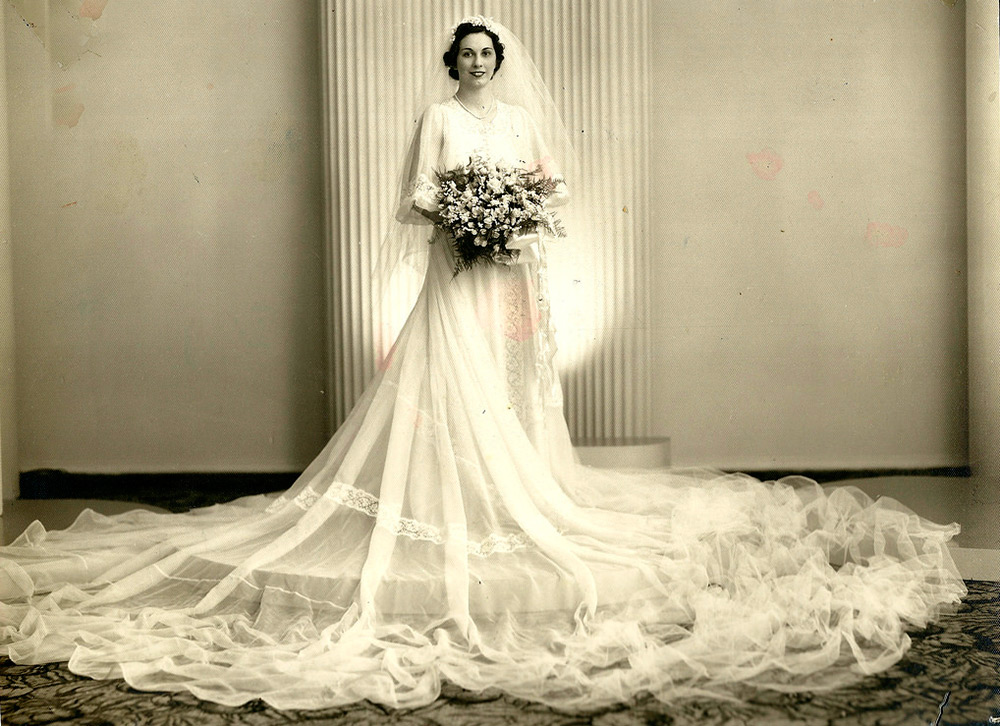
[
  {"x": 418, "y": 187},
  {"x": 538, "y": 151}
]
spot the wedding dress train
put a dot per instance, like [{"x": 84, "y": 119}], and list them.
[{"x": 446, "y": 531}]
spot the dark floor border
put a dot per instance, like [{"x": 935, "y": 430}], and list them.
[
  {"x": 174, "y": 491},
  {"x": 180, "y": 491},
  {"x": 829, "y": 475}
]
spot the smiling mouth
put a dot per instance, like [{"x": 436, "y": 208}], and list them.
[{"x": 478, "y": 73}]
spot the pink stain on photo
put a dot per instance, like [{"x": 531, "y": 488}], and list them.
[
  {"x": 92, "y": 8},
  {"x": 495, "y": 312},
  {"x": 487, "y": 309},
  {"x": 70, "y": 117},
  {"x": 546, "y": 165},
  {"x": 384, "y": 357},
  {"x": 68, "y": 87},
  {"x": 816, "y": 200},
  {"x": 766, "y": 164},
  {"x": 879, "y": 234},
  {"x": 523, "y": 325}
]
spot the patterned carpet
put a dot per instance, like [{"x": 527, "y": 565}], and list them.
[{"x": 950, "y": 676}]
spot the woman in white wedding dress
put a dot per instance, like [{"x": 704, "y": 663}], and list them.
[{"x": 447, "y": 532}]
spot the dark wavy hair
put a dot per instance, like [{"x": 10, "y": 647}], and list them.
[{"x": 464, "y": 29}]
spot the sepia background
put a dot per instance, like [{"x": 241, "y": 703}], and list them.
[{"x": 797, "y": 275}]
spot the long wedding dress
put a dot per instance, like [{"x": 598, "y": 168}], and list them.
[{"x": 447, "y": 532}]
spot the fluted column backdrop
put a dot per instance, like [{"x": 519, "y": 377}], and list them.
[{"x": 593, "y": 55}]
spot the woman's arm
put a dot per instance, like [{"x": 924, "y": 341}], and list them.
[{"x": 418, "y": 195}]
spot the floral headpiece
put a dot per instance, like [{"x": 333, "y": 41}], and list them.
[{"x": 481, "y": 20}]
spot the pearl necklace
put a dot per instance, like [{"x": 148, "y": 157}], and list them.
[{"x": 474, "y": 115}]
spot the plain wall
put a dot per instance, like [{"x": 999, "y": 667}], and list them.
[
  {"x": 982, "y": 503},
  {"x": 808, "y": 221},
  {"x": 167, "y": 212},
  {"x": 8, "y": 371}
]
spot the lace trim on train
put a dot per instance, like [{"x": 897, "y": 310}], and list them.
[
  {"x": 549, "y": 387},
  {"x": 368, "y": 504},
  {"x": 516, "y": 329}
]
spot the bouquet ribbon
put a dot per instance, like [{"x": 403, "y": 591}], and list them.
[{"x": 527, "y": 246}]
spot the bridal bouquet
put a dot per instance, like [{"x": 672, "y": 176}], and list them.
[{"x": 484, "y": 206}]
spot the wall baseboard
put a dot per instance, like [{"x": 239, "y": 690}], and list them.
[
  {"x": 173, "y": 491},
  {"x": 824, "y": 476},
  {"x": 179, "y": 492}
]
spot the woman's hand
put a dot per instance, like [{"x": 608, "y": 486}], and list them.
[{"x": 433, "y": 215}]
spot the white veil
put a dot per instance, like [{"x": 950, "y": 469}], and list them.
[{"x": 402, "y": 257}]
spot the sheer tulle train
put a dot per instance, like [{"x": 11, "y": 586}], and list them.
[{"x": 447, "y": 532}]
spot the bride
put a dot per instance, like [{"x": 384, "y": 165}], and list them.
[{"x": 447, "y": 532}]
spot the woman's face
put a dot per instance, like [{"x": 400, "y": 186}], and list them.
[{"x": 477, "y": 61}]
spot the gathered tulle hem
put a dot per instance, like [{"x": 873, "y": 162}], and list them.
[{"x": 783, "y": 585}]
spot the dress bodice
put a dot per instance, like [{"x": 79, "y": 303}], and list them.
[{"x": 502, "y": 136}]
